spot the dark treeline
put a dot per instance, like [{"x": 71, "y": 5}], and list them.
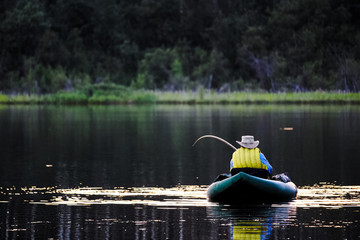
[{"x": 50, "y": 45}]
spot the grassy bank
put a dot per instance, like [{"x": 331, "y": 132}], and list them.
[
  {"x": 92, "y": 94},
  {"x": 104, "y": 94},
  {"x": 254, "y": 97}
]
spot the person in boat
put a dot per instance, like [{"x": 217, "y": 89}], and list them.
[{"x": 249, "y": 159}]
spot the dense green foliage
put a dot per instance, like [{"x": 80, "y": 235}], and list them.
[{"x": 49, "y": 46}]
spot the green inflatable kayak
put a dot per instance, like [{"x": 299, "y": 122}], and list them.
[{"x": 245, "y": 188}]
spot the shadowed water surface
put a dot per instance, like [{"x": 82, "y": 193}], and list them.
[{"x": 129, "y": 172}]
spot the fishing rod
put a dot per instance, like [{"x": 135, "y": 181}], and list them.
[{"x": 216, "y": 137}]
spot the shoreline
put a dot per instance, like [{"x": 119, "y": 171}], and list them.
[{"x": 184, "y": 97}]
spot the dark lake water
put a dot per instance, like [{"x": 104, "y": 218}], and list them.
[{"x": 130, "y": 172}]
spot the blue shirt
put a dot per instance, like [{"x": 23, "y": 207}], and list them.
[{"x": 263, "y": 161}]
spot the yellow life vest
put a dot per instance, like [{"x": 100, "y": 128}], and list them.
[{"x": 247, "y": 158}]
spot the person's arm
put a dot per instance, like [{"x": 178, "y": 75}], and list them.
[
  {"x": 231, "y": 164},
  {"x": 266, "y": 162}
]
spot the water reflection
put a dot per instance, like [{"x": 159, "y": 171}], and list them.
[
  {"x": 253, "y": 222},
  {"x": 181, "y": 212},
  {"x": 152, "y": 182},
  {"x": 151, "y": 145},
  {"x": 324, "y": 195}
]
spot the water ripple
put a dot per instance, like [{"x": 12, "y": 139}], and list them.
[{"x": 323, "y": 196}]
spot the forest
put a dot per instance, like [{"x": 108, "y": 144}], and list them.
[{"x": 173, "y": 45}]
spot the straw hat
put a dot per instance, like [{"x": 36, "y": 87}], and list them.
[{"x": 248, "y": 142}]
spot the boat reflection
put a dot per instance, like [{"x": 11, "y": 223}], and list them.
[
  {"x": 253, "y": 222},
  {"x": 250, "y": 230}
]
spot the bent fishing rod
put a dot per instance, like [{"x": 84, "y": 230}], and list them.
[{"x": 216, "y": 137}]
